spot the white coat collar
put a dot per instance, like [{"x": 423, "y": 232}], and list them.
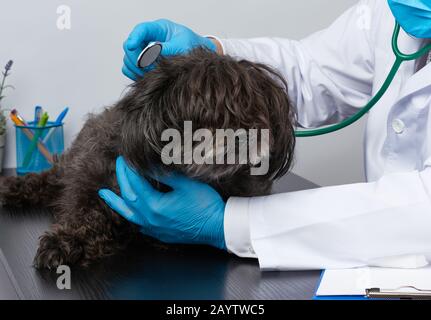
[{"x": 416, "y": 81}]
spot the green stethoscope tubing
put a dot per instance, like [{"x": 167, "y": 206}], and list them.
[{"x": 400, "y": 58}]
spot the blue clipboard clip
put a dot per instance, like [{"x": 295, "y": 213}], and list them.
[{"x": 407, "y": 292}]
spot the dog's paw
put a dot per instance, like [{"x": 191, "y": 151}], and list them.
[{"x": 55, "y": 250}]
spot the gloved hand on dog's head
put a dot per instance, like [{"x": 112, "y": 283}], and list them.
[
  {"x": 192, "y": 213},
  {"x": 176, "y": 39}
]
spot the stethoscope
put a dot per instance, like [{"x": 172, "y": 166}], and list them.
[{"x": 150, "y": 54}]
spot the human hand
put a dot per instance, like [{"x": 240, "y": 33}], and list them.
[
  {"x": 176, "y": 39},
  {"x": 192, "y": 213}
]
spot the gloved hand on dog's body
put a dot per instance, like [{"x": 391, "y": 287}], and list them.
[
  {"x": 176, "y": 39},
  {"x": 192, "y": 213}
]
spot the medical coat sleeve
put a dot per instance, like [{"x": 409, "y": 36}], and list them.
[
  {"x": 384, "y": 223},
  {"x": 329, "y": 74}
]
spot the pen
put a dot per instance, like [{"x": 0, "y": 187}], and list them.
[
  {"x": 16, "y": 120},
  {"x": 37, "y": 114},
  {"x": 15, "y": 112},
  {"x": 61, "y": 116},
  {"x": 57, "y": 122},
  {"x": 42, "y": 123},
  {"x": 42, "y": 148},
  {"x": 24, "y": 123}
]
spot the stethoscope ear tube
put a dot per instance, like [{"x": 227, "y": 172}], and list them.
[{"x": 400, "y": 58}]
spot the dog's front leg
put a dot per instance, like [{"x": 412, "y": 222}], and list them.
[{"x": 82, "y": 236}]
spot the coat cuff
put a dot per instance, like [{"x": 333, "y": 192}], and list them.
[
  {"x": 237, "y": 228},
  {"x": 210, "y": 36},
  {"x": 228, "y": 47}
]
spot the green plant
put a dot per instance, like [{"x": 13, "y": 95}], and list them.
[
  {"x": 2, "y": 123},
  {"x": 3, "y": 87}
]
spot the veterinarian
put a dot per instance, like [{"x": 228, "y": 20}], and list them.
[{"x": 384, "y": 222}]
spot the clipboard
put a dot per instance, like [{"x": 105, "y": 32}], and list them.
[
  {"x": 407, "y": 292},
  {"x": 335, "y": 297}
]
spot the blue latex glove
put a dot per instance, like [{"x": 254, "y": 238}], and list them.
[
  {"x": 175, "y": 38},
  {"x": 193, "y": 213}
]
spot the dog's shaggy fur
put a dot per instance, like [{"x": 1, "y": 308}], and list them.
[{"x": 210, "y": 90}]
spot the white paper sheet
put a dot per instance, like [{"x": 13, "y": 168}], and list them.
[{"x": 355, "y": 281}]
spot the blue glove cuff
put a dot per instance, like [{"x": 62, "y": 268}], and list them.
[{"x": 213, "y": 230}]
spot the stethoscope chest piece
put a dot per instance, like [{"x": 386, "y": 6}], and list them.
[{"x": 149, "y": 55}]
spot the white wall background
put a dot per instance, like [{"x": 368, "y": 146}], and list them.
[{"x": 81, "y": 67}]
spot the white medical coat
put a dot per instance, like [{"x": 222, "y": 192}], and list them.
[{"x": 384, "y": 222}]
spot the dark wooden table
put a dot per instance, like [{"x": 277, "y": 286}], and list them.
[{"x": 144, "y": 273}]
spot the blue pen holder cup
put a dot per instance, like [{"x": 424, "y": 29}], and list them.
[{"x": 37, "y": 156}]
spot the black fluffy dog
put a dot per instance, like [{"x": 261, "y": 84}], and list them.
[{"x": 212, "y": 91}]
